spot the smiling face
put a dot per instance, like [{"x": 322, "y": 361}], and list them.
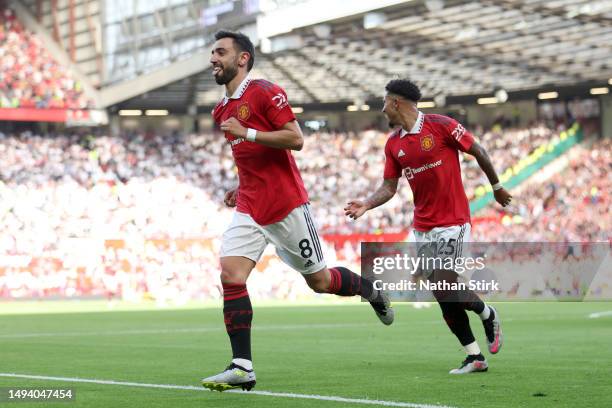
[{"x": 227, "y": 60}]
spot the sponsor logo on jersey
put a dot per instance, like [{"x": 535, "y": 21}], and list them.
[
  {"x": 308, "y": 264},
  {"x": 279, "y": 100},
  {"x": 410, "y": 172},
  {"x": 401, "y": 153},
  {"x": 244, "y": 111},
  {"x": 427, "y": 142},
  {"x": 235, "y": 141},
  {"x": 458, "y": 132}
]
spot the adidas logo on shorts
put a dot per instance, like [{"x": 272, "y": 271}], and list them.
[{"x": 308, "y": 264}]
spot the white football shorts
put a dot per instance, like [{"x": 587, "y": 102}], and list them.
[
  {"x": 295, "y": 238},
  {"x": 442, "y": 242}
]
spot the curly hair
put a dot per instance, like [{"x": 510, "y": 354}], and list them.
[{"x": 404, "y": 88}]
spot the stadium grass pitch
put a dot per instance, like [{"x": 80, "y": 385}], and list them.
[{"x": 554, "y": 356}]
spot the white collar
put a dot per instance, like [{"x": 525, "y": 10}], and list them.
[
  {"x": 239, "y": 91},
  {"x": 418, "y": 125}
]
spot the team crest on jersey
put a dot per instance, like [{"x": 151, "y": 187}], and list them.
[
  {"x": 427, "y": 143},
  {"x": 243, "y": 111}
]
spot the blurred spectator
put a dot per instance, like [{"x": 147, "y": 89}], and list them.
[
  {"x": 573, "y": 205},
  {"x": 29, "y": 76},
  {"x": 506, "y": 147}
]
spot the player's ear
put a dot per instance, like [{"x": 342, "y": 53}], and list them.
[{"x": 243, "y": 59}]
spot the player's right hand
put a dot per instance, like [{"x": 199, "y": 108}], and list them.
[
  {"x": 355, "y": 209},
  {"x": 230, "y": 198}
]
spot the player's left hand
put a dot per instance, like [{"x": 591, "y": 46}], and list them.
[
  {"x": 233, "y": 126},
  {"x": 502, "y": 196}
]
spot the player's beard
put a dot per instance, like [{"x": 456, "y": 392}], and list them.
[{"x": 228, "y": 73}]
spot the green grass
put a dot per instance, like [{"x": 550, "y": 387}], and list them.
[{"x": 551, "y": 349}]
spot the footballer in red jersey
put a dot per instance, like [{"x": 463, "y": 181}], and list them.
[
  {"x": 425, "y": 149},
  {"x": 271, "y": 203}
]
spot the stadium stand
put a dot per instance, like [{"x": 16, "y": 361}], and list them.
[
  {"x": 507, "y": 147},
  {"x": 572, "y": 205},
  {"x": 90, "y": 216},
  {"x": 29, "y": 75}
]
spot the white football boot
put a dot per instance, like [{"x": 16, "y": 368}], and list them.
[
  {"x": 383, "y": 309},
  {"x": 233, "y": 377},
  {"x": 472, "y": 364}
]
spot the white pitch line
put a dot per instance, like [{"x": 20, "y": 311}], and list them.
[
  {"x": 600, "y": 314},
  {"x": 186, "y": 330},
  {"x": 264, "y": 393}
]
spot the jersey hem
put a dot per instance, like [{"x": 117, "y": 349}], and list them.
[
  {"x": 275, "y": 219},
  {"x": 450, "y": 224}
]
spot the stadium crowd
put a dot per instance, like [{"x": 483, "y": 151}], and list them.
[
  {"x": 29, "y": 76},
  {"x": 139, "y": 214},
  {"x": 573, "y": 205},
  {"x": 507, "y": 147}
]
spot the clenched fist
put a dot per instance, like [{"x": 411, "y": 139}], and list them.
[{"x": 233, "y": 126}]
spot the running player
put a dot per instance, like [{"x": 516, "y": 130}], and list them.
[
  {"x": 271, "y": 203},
  {"x": 425, "y": 148}
]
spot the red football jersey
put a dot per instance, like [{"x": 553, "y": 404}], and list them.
[
  {"x": 428, "y": 156},
  {"x": 270, "y": 185}
]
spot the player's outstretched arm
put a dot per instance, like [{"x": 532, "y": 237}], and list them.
[
  {"x": 288, "y": 137},
  {"x": 355, "y": 209},
  {"x": 484, "y": 161}
]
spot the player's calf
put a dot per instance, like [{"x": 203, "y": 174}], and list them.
[
  {"x": 493, "y": 330},
  {"x": 237, "y": 308},
  {"x": 343, "y": 282}
]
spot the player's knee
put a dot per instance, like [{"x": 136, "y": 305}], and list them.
[
  {"x": 225, "y": 276},
  {"x": 235, "y": 269},
  {"x": 230, "y": 275}
]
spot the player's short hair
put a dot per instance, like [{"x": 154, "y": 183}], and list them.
[
  {"x": 404, "y": 88},
  {"x": 241, "y": 41}
]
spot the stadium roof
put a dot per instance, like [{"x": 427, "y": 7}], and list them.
[{"x": 451, "y": 48}]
